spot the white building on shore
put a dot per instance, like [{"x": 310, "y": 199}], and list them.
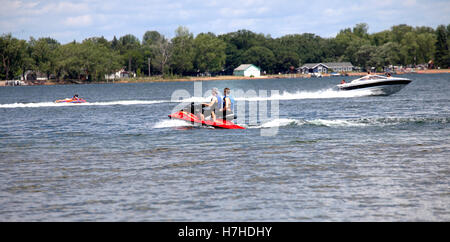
[
  {"x": 326, "y": 67},
  {"x": 248, "y": 70},
  {"x": 120, "y": 74}
]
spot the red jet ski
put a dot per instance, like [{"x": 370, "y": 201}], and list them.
[
  {"x": 71, "y": 100},
  {"x": 191, "y": 117}
]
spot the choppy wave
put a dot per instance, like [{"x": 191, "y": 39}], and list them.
[
  {"x": 315, "y": 122},
  {"x": 286, "y": 122},
  {"x": 352, "y": 122},
  {"x": 404, "y": 120},
  {"x": 171, "y": 123},
  {"x": 52, "y": 104}
]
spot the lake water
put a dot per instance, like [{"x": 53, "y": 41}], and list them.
[{"x": 336, "y": 156}]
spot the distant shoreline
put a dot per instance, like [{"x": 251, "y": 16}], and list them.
[{"x": 224, "y": 78}]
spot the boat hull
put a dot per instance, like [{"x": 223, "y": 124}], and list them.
[{"x": 383, "y": 88}]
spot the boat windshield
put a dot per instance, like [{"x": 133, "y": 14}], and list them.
[{"x": 371, "y": 77}]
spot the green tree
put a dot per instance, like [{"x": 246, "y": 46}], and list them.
[
  {"x": 398, "y": 32},
  {"x": 114, "y": 43},
  {"x": 364, "y": 56},
  {"x": 447, "y": 57},
  {"x": 158, "y": 48},
  {"x": 285, "y": 60},
  {"x": 343, "y": 40},
  {"x": 261, "y": 57},
  {"x": 163, "y": 51},
  {"x": 380, "y": 38},
  {"x": 409, "y": 48},
  {"x": 233, "y": 57},
  {"x": 101, "y": 41},
  {"x": 209, "y": 53},
  {"x": 387, "y": 54},
  {"x": 426, "y": 47},
  {"x": 89, "y": 60},
  {"x": 183, "y": 53},
  {"x": 11, "y": 52},
  {"x": 151, "y": 38},
  {"x": 26, "y": 61},
  {"x": 97, "y": 60},
  {"x": 68, "y": 63},
  {"x": 360, "y": 30},
  {"x": 236, "y": 43},
  {"x": 355, "y": 46},
  {"x": 442, "y": 47},
  {"x": 129, "y": 47},
  {"x": 244, "y": 39},
  {"x": 310, "y": 47},
  {"x": 43, "y": 54}
]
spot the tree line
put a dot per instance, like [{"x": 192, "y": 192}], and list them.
[{"x": 186, "y": 54}]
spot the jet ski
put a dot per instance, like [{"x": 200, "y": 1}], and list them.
[
  {"x": 189, "y": 114},
  {"x": 71, "y": 100},
  {"x": 378, "y": 85}
]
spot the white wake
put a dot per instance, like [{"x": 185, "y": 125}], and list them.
[
  {"x": 52, "y": 104},
  {"x": 171, "y": 123},
  {"x": 282, "y": 122},
  {"x": 321, "y": 94}
]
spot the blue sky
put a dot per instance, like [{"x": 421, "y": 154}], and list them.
[{"x": 76, "y": 20}]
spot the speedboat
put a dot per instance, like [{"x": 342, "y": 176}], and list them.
[
  {"x": 378, "y": 85},
  {"x": 71, "y": 100},
  {"x": 188, "y": 114}
]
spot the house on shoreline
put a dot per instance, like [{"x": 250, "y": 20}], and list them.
[
  {"x": 321, "y": 68},
  {"x": 31, "y": 77},
  {"x": 248, "y": 70},
  {"x": 34, "y": 76},
  {"x": 120, "y": 74}
]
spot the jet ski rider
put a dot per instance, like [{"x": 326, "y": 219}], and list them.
[
  {"x": 228, "y": 104},
  {"x": 212, "y": 107},
  {"x": 75, "y": 97}
]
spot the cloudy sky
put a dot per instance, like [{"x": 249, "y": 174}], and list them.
[{"x": 76, "y": 20}]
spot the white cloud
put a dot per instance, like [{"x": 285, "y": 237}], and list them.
[
  {"x": 17, "y": 4},
  {"x": 409, "y": 3},
  {"x": 64, "y": 8},
  {"x": 16, "y": 7},
  {"x": 277, "y": 18},
  {"x": 332, "y": 12},
  {"x": 78, "y": 21},
  {"x": 232, "y": 12},
  {"x": 69, "y": 35}
]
